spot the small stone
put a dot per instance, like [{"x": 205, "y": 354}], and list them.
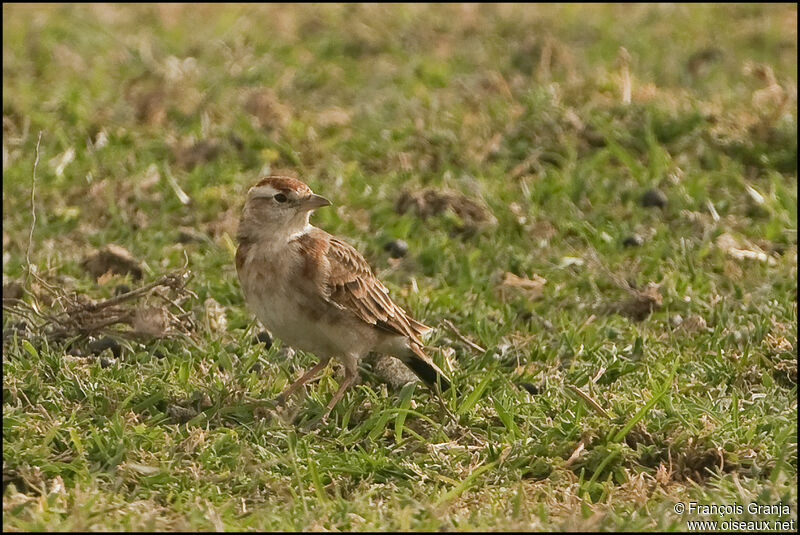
[
  {"x": 396, "y": 248},
  {"x": 263, "y": 338},
  {"x": 121, "y": 289},
  {"x": 393, "y": 372},
  {"x": 531, "y": 388},
  {"x": 180, "y": 414},
  {"x": 634, "y": 240},
  {"x": 101, "y": 344},
  {"x": 654, "y": 198},
  {"x": 525, "y": 315},
  {"x": 105, "y": 362},
  {"x": 675, "y": 320}
]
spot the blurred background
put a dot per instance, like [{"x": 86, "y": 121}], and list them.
[{"x": 473, "y": 94}]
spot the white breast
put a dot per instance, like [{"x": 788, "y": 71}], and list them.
[{"x": 297, "y": 317}]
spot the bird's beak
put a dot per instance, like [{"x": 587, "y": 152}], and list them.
[{"x": 313, "y": 202}]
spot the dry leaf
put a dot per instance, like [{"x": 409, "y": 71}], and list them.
[
  {"x": 734, "y": 249},
  {"x": 530, "y": 288},
  {"x": 642, "y": 302},
  {"x": 431, "y": 201}
]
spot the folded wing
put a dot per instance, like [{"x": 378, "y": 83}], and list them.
[
  {"x": 352, "y": 285},
  {"x": 346, "y": 281}
]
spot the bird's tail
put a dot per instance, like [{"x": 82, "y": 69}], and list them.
[{"x": 419, "y": 363}]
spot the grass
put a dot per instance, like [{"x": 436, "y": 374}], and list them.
[{"x": 557, "y": 119}]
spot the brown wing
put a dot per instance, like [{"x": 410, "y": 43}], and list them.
[
  {"x": 352, "y": 285},
  {"x": 347, "y": 281}
]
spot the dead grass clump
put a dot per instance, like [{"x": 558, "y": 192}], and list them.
[
  {"x": 641, "y": 303},
  {"x": 114, "y": 259},
  {"x": 77, "y": 315},
  {"x": 532, "y": 288},
  {"x": 431, "y": 202},
  {"x": 190, "y": 155},
  {"x": 697, "y": 463},
  {"x": 267, "y": 111},
  {"x": 785, "y": 371}
]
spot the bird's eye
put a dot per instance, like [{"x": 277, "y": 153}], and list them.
[{"x": 280, "y": 197}]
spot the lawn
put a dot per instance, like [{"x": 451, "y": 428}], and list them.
[{"x": 600, "y": 209}]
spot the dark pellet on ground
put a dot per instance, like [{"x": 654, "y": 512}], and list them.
[
  {"x": 531, "y": 388},
  {"x": 525, "y": 315},
  {"x": 654, "y": 197},
  {"x": 256, "y": 367},
  {"x": 634, "y": 240},
  {"x": 263, "y": 338},
  {"x": 396, "y": 248},
  {"x": 101, "y": 344}
]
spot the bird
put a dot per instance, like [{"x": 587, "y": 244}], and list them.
[{"x": 317, "y": 293}]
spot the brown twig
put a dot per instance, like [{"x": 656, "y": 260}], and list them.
[
  {"x": 82, "y": 318},
  {"x": 575, "y": 454},
  {"x": 172, "y": 280},
  {"x": 33, "y": 212},
  {"x": 461, "y": 337},
  {"x": 589, "y": 401}
]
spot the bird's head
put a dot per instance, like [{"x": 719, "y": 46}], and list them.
[{"x": 278, "y": 206}]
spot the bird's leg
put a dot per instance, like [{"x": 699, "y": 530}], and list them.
[
  {"x": 437, "y": 393},
  {"x": 303, "y": 379},
  {"x": 350, "y": 377}
]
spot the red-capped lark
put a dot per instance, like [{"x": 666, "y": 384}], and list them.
[{"x": 315, "y": 292}]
